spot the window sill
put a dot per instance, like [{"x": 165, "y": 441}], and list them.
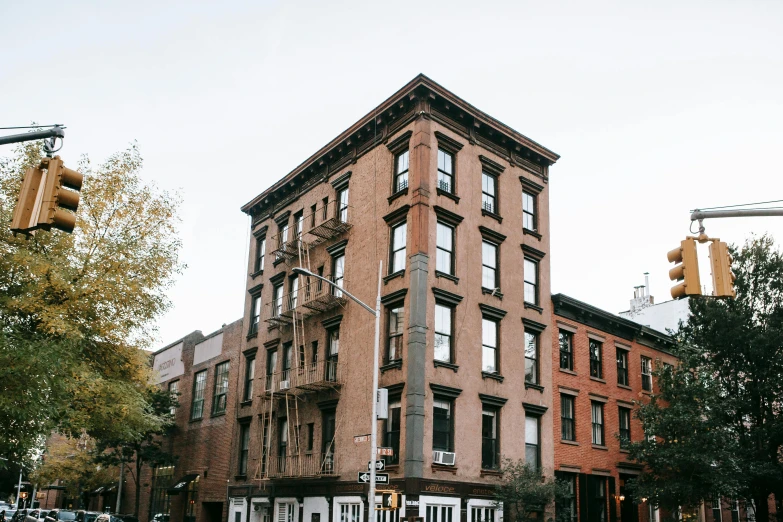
[
  {"x": 534, "y": 386},
  {"x": 277, "y": 261},
  {"x": 257, "y": 273},
  {"x": 496, "y": 217},
  {"x": 491, "y": 473},
  {"x": 533, "y": 233},
  {"x": 398, "y": 273},
  {"x": 439, "y": 467},
  {"x": 444, "y": 364},
  {"x": 624, "y": 386},
  {"x": 444, "y": 275},
  {"x": 647, "y": 392},
  {"x": 597, "y": 379},
  {"x": 220, "y": 414},
  {"x": 248, "y": 402},
  {"x": 196, "y": 420},
  {"x": 252, "y": 335},
  {"x": 493, "y": 376},
  {"x": 449, "y": 195},
  {"x": 534, "y": 307},
  {"x": 569, "y": 442},
  {"x": 569, "y": 372},
  {"x": 393, "y": 468},
  {"x": 600, "y": 447},
  {"x": 489, "y": 291},
  {"x": 622, "y": 450},
  {"x": 394, "y": 365},
  {"x": 399, "y": 193}
]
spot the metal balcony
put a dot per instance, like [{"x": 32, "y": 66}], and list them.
[
  {"x": 300, "y": 466},
  {"x": 327, "y": 222},
  {"x": 323, "y": 375},
  {"x": 312, "y": 298}
]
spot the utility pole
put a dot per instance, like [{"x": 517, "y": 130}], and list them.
[{"x": 119, "y": 486}]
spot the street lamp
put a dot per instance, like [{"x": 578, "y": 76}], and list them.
[{"x": 374, "y": 425}]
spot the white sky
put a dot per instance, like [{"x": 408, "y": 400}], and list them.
[{"x": 655, "y": 110}]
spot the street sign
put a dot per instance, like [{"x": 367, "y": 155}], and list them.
[
  {"x": 361, "y": 438},
  {"x": 385, "y": 452},
  {"x": 380, "y": 465},
  {"x": 380, "y": 478}
]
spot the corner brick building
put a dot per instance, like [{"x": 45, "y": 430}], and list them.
[
  {"x": 601, "y": 364},
  {"x": 455, "y": 205}
]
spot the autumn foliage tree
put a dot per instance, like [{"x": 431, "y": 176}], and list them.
[{"x": 77, "y": 309}]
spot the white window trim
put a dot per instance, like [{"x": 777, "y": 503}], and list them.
[
  {"x": 425, "y": 500},
  {"x": 484, "y": 503},
  {"x": 338, "y": 501},
  {"x": 286, "y": 500}
]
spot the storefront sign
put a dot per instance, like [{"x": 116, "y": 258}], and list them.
[{"x": 168, "y": 364}]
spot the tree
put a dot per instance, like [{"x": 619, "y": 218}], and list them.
[
  {"x": 718, "y": 418},
  {"x": 77, "y": 309},
  {"x": 525, "y": 492},
  {"x": 144, "y": 449}
]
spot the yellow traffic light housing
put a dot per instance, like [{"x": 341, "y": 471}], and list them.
[
  {"x": 56, "y": 197},
  {"x": 722, "y": 276},
  {"x": 25, "y": 218},
  {"x": 687, "y": 271}
]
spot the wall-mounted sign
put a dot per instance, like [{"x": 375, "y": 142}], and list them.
[{"x": 168, "y": 364}]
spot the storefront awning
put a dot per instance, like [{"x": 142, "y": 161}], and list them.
[
  {"x": 97, "y": 491},
  {"x": 182, "y": 484}
]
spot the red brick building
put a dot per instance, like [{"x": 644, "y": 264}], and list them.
[
  {"x": 455, "y": 205},
  {"x": 601, "y": 364}
]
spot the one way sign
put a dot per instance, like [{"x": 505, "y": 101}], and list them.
[
  {"x": 380, "y": 465},
  {"x": 380, "y": 478}
]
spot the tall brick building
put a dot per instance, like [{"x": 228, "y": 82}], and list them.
[
  {"x": 455, "y": 205},
  {"x": 602, "y": 363}
]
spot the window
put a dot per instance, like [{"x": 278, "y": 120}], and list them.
[
  {"x": 283, "y": 233},
  {"x": 221, "y": 388},
  {"x": 314, "y": 354},
  {"x": 282, "y": 440},
  {"x": 298, "y": 224},
  {"x": 488, "y": 191},
  {"x": 596, "y": 498},
  {"x": 244, "y": 448},
  {"x": 567, "y": 503},
  {"x": 489, "y": 348},
  {"x": 293, "y": 294},
  {"x": 260, "y": 252},
  {"x": 310, "y": 435},
  {"x": 442, "y": 425},
  {"x": 596, "y": 369},
  {"x": 264, "y": 442},
  {"x": 625, "y": 426},
  {"x": 528, "y": 211},
  {"x": 313, "y": 212},
  {"x": 401, "y": 171},
  {"x": 277, "y": 300},
  {"x": 288, "y": 360},
  {"x": 489, "y": 265},
  {"x": 342, "y": 205},
  {"x": 301, "y": 359},
  {"x": 338, "y": 271},
  {"x": 734, "y": 504},
  {"x": 440, "y": 513},
  {"x": 445, "y": 171},
  {"x": 197, "y": 405},
  {"x": 490, "y": 447},
  {"x": 717, "y": 515},
  {"x": 531, "y": 358},
  {"x": 531, "y": 281},
  {"x": 255, "y": 314},
  {"x": 250, "y": 374},
  {"x": 391, "y": 431},
  {"x": 351, "y": 512},
  {"x": 597, "y": 410},
  {"x": 444, "y": 260},
  {"x": 442, "y": 333},
  {"x": 162, "y": 479},
  {"x": 398, "y": 243},
  {"x": 271, "y": 366},
  {"x": 324, "y": 208},
  {"x": 484, "y": 514},
  {"x": 567, "y": 431},
  {"x": 327, "y": 440},
  {"x": 285, "y": 512},
  {"x": 622, "y": 367},
  {"x": 646, "y": 373},
  {"x": 395, "y": 327},
  {"x": 566, "y": 340},
  {"x": 333, "y": 350},
  {"x": 174, "y": 392},
  {"x": 532, "y": 430}
]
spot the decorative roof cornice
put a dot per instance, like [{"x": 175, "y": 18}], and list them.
[{"x": 421, "y": 97}]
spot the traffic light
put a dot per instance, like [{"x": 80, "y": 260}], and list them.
[
  {"x": 56, "y": 198},
  {"x": 722, "y": 276},
  {"x": 687, "y": 271},
  {"x": 27, "y": 207},
  {"x": 390, "y": 501}
]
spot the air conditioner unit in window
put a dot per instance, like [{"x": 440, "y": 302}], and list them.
[
  {"x": 284, "y": 385},
  {"x": 446, "y": 458}
]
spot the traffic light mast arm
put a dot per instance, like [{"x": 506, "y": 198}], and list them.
[
  {"x": 698, "y": 215},
  {"x": 54, "y": 132}
]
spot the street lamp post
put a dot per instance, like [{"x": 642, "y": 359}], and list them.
[{"x": 374, "y": 424}]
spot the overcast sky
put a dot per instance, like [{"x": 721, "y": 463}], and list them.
[{"x": 655, "y": 108}]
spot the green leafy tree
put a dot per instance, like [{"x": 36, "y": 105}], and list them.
[
  {"x": 524, "y": 492},
  {"x": 143, "y": 449},
  {"x": 77, "y": 309},
  {"x": 718, "y": 419}
]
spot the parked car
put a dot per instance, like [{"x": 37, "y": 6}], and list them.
[
  {"x": 9, "y": 514},
  {"x": 86, "y": 516},
  {"x": 36, "y": 515},
  {"x": 60, "y": 515},
  {"x": 128, "y": 518},
  {"x": 161, "y": 517},
  {"x": 105, "y": 517},
  {"x": 20, "y": 515}
]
